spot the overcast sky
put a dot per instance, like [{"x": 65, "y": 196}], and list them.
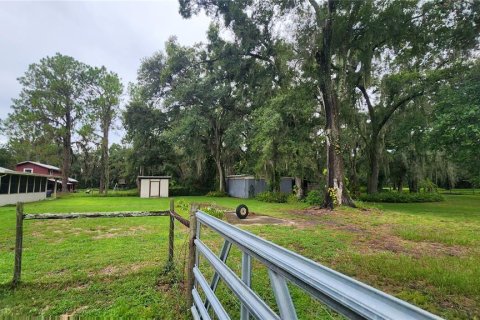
[{"x": 114, "y": 34}]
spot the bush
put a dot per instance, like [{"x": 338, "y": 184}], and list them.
[
  {"x": 215, "y": 212},
  {"x": 269, "y": 196},
  {"x": 175, "y": 191},
  {"x": 401, "y": 197},
  {"x": 217, "y": 194},
  {"x": 314, "y": 198},
  {"x": 292, "y": 198}
]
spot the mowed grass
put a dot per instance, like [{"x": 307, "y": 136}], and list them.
[{"x": 427, "y": 254}]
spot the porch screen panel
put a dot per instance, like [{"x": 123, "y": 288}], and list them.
[
  {"x": 42, "y": 186},
  {"x": 14, "y": 184},
  {"x": 31, "y": 182},
  {"x": 38, "y": 181},
  {"x": 23, "y": 184},
  {"x": 4, "y": 183}
]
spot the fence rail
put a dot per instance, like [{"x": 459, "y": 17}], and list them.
[
  {"x": 343, "y": 294},
  {"x": 47, "y": 216}
]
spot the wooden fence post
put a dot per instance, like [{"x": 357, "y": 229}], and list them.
[
  {"x": 191, "y": 254},
  {"x": 17, "y": 270},
  {"x": 171, "y": 234}
]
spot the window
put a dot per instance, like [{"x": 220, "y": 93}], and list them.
[
  {"x": 28, "y": 170},
  {"x": 38, "y": 182},
  {"x": 14, "y": 184},
  {"x": 42, "y": 186},
  {"x": 4, "y": 184},
  {"x": 23, "y": 184},
  {"x": 31, "y": 183}
]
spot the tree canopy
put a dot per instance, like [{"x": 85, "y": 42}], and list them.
[{"x": 342, "y": 96}]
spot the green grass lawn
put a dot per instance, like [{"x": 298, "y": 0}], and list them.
[{"x": 425, "y": 253}]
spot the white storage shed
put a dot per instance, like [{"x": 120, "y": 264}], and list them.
[{"x": 153, "y": 186}]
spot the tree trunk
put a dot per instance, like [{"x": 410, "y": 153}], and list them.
[
  {"x": 216, "y": 148},
  {"x": 354, "y": 184},
  {"x": 336, "y": 193},
  {"x": 299, "y": 187},
  {"x": 413, "y": 185},
  {"x": 221, "y": 176},
  {"x": 67, "y": 156},
  {"x": 104, "y": 170},
  {"x": 372, "y": 186}
]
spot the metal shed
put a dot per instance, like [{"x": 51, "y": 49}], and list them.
[
  {"x": 247, "y": 186},
  {"x": 153, "y": 186}
]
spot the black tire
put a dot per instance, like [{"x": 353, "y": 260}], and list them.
[{"x": 242, "y": 211}]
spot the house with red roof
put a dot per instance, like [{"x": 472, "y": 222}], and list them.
[{"x": 45, "y": 169}]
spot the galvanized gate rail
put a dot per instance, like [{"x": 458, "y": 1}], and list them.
[{"x": 343, "y": 294}]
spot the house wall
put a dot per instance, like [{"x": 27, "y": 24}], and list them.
[
  {"x": 21, "y": 197},
  {"x": 36, "y": 169}
]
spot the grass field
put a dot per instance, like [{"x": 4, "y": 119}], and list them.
[{"x": 427, "y": 254}]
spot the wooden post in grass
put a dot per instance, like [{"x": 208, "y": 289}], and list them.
[
  {"x": 17, "y": 270},
  {"x": 191, "y": 253},
  {"x": 171, "y": 234}
]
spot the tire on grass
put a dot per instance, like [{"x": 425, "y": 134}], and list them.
[{"x": 242, "y": 211}]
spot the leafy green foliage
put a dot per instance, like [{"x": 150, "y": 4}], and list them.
[
  {"x": 457, "y": 114},
  {"x": 216, "y": 194},
  {"x": 217, "y": 213},
  {"x": 314, "y": 198}
]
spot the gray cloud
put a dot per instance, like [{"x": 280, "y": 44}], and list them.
[{"x": 114, "y": 34}]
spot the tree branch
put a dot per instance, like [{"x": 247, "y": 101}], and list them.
[
  {"x": 317, "y": 9},
  {"x": 371, "y": 111},
  {"x": 396, "y": 106}
]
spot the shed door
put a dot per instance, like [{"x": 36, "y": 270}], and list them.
[{"x": 154, "y": 188}]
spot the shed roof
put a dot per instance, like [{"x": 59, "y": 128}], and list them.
[
  {"x": 241, "y": 176},
  {"x": 154, "y": 177},
  {"x": 41, "y": 165}
]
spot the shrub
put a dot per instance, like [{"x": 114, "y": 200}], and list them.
[
  {"x": 401, "y": 197},
  {"x": 269, "y": 196},
  {"x": 185, "y": 191},
  {"x": 182, "y": 206},
  {"x": 292, "y": 198},
  {"x": 215, "y": 212},
  {"x": 217, "y": 194},
  {"x": 428, "y": 186},
  {"x": 314, "y": 198}
]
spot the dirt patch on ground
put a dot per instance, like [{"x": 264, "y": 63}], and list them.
[
  {"x": 256, "y": 219},
  {"x": 416, "y": 249},
  {"x": 370, "y": 238},
  {"x": 73, "y": 313},
  {"x": 115, "y": 232},
  {"x": 313, "y": 212},
  {"x": 121, "y": 270}
]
